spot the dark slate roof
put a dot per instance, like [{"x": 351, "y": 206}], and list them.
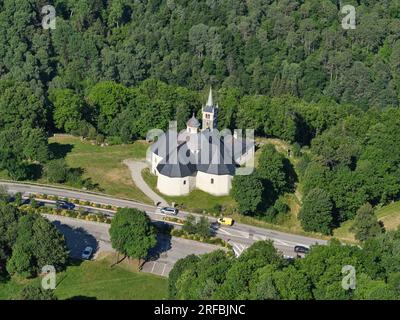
[
  {"x": 219, "y": 155},
  {"x": 215, "y": 156},
  {"x": 210, "y": 109},
  {"x": 193, "y": 122},
  {"x": 172, "y": 167},
  {"x": 178, "y": 170}
]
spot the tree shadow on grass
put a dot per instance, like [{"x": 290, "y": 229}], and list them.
[{"x": 59, "y": 151}]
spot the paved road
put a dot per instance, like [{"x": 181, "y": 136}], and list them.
[
  {"x": 79, "y": 234},
  {"x": 240, "y": 236},
  {"x": 136, "y": 168}
]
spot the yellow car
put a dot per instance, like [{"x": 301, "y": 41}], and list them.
[{"x": 225, "y": 221}]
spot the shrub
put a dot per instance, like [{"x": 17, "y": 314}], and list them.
[
  {"x": 281, "y": 206},
  {"x": 296, "y": 150},
  {"x": 316, "y": 213},
  {"x": 113, "y": 140}
]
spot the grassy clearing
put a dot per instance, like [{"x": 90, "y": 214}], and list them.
[
  {"x": 96, "y": 280},
  {"x": 281, "y": 146},
  {"x": 11, "y": 288},
  {"x": 343, "y": 232},
  {"x": 390, "y": 215},
  {"x": 102, "y": 164}
]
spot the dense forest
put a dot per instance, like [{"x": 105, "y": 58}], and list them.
[
  {"x": 269, "y": 47},
  {"x": 112, "y": 70},
  {"x": 261, "y": 273}
]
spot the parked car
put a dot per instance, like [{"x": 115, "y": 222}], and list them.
[
  {"x": 170, "y": 211},
  {"x": 32, "y": 202},
  {"x": 301, "y": 249},
  {"x": 87, "y": 253},
  {"x": 65, "y": 205},
  {"x": 226, "y": 221},
  {"x": 25, "y": 201}
]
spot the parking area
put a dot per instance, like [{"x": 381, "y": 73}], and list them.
[
  {"x": 169, "y": 250},
  {"x": 79, "y": 234}
]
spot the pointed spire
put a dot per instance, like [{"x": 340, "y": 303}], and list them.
[{"x": 210, "y": 99}]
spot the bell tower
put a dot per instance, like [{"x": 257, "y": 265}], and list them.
[{"x": 210, "y": 114}]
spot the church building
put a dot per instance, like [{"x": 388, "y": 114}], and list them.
[{"x": 199, "y": 157}]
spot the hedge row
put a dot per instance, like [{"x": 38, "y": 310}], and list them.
[
  {"x": 76, "y": 201},
  {"x": 67, "y": 213},
  {"x": 174, "y": 220}
]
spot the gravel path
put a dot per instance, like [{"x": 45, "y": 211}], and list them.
[{"x": 136, "y": 168}]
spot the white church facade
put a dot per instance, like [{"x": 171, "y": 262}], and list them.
[{"x": 199, "y": 157}]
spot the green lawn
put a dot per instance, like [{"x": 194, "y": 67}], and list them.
[
  {"x": 11, "y": 288},
  {"x": 343, "y": 232},
  {"x": 196, "y": 201},
  {"x": 103, "y": 164},
  {"x": 96, "y": 280}
]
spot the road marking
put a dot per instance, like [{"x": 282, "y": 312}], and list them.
[
  {"x": 238, "y": 248},
  {"x": 152, "y": 269},
  {"x": 164, "y": 269},
  {"x": 235, "y": 250}
]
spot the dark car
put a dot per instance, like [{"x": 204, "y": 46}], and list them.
[
  {"x": 32, "y": 203},
  {"x": 26, "y": 201},
  {"x": 301, "y": 249},
  {"x": 65, "y": 205}
]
